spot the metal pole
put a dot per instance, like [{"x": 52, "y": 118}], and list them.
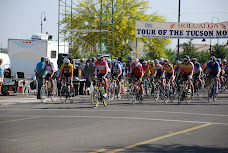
[
  {"x": 136, "y": 48},
  {"x": 58, "y": 27},
  {"x": 100, "y": 26},
  {"x": 178, "y": 41},
  {"x": 41, "y": 23},
  {"x": 218, "y": 22}
]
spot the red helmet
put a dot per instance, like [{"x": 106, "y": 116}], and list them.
[{"x": 166, "y": 61}]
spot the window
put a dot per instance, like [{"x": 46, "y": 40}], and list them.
[{"x": 53, "y": 54}]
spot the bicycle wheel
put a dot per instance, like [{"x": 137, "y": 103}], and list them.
[
  {"x": 156, "y": 93},
  {"x": 63, "y": 94},
  {"x": 54, "y": 95},
  {"x": 95, "y": 98},
  {"x": 166, "y": 94},
  {"x": 72, "y": 95},
  {"x": 210, "y": 93},
  {"x": 134, "y": 94},
  {"x": 112, "y": 91},
  {"x": 180, "y": 96},
  {"x": 43, "y": 94},
  {"x": 129, "y": 93}
]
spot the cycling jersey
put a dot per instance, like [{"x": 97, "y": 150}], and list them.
[
  {"x": 128, "y": 66},
  {"x": 145, "y": 68},
  {"x": 66, "y": 69},
  {"x": 213, "y": 68},
  {"x": 116, "y": 69},
  {"x": 168, "y": 69},
  {"x": 158, "y": 68},
  {"x": 197, "y": 67},
  {"x": 151, "y": 69},
  {"x": 1, "y": 69},
  {"x": 101, "y": 67},
  {"x": 137, "y": 71},
  {"x": 187, "y": 68},
  {"x": 49, "y": 68}
]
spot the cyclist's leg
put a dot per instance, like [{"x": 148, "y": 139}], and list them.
[{"x": 119, "y": 84}]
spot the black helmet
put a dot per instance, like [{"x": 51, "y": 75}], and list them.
[{"x": 186, "y": 57}]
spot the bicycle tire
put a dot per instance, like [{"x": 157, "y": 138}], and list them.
[
  {"x": 63, "y": 94},
  {"x": 54, "y": 95},
  {"x": 43, "y": 94},
  {"x": 71, "y": 97},
  {"x": 94, "y": 98}
]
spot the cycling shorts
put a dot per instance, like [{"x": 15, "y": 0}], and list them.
[
  {"x": 185, "y": 76},
  {"x": 169, "y": 75},
  {"x": 213, "y": 74},
  {"x": 49, "y": 75},
  {"x": 196, "y": 75},
  {"x": 119, "y": 78}
]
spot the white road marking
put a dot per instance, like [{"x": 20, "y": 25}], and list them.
[
  {"x": 131, "y": 118},
  {"x": 7, "y": 140},
  {"x": 134, "y": 111}
]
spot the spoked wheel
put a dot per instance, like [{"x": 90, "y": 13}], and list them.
[
  {"x": 134, "y": 95},
  {"x": 43, "y": 94},
  {"x": 63, "y": 94},
  {"x": 112, "y": 92},
  {"x": 180, "y": 97},
  {"x": 95, "y": 98},
  {"x": 129, "y": 93},
  {"x": 188, "y": 97},
  {"x": 210, "y": 92},
  {"x": 166, "y": 94},
  {"x": 156, "y": 94},
  {"x": 54, "y": 95},
  {"x": 71, "y": 97},
  {"x": 149, "y": 90}
]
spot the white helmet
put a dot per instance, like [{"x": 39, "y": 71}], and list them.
[
  {"x": 46, "y": 59},
  {"x": 136, "y": 59},
  {"x": 114, "y": 61},
  {"x": 109, "y": 60},
  {"x": 161, "y": 60},
  {"x": 66, "y": 60},
  {"x": 224, "y": 61},
  {"x": 156, "y": 61}
]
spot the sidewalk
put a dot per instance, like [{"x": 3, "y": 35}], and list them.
[{"x": 18, "y": 98}]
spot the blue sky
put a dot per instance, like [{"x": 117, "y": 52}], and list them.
[{"x": 21, "y": 18}]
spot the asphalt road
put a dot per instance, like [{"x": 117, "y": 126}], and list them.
[{"x": 120, "y": 127}]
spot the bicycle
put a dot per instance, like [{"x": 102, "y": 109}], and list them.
[
  {"x": 158, "y": 90},
  {"x": 97, "y": 92},
  {"x": 134, "y": 93},
  {"x": 198, "y": 87},
  {"x": 65, "y": 91},
  {"x": 183, "y": 94},
  {"x": 212, "y": 90},
  {"x": 147, "y": 85},
  {"x": 168, "y": 92},
  {"x": 46, "y": 92},
  {"x": 113, "y": 89}
]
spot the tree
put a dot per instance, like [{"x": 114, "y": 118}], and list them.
[
  {"x": 219, "y": 51},
  {"x": 87, "y": 15}
]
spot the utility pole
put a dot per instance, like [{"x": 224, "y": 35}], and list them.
[{"x": 178, "y": 41}]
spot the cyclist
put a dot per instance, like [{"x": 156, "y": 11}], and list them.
[
  {"x": 66, "y": 71},
  {"x": 197, "y": 71},
  {"x": 161, "y": 61},
  {"x": 176, "y": 67},
  {"x": 168, "y": 68},
  {"x": 158, "y": 73},
  {"x": 102, "y": 67},
  {"x": 116, "y": 70},
  {"x": 186, "y": 69},
  {"x": 50, "y": 71},
  {"x": 150, "y": 69},
  {"x": 128, "y": 64},
  {"x": 213, "y": 70},
  {"x": 145, "y": 66},
  {"x": 137, "y": 72},
  {"x": 221, "y": 72}
]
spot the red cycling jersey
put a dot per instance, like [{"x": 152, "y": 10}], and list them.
[{"x": 137, "y": 71}]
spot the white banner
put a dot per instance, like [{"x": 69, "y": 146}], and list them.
[{"x": 181, "y": 30}]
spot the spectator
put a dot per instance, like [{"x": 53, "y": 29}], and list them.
[
  {"x": 39, "y": 78},
  {"x": 87, "y": 72},
  {"x": 72, "y": 62},
  {"x": 2, "y": 70}
]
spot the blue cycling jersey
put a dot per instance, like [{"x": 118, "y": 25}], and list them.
[
  {"x": 213, "y": 68},
  {"x": 196, "y": 67}
]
